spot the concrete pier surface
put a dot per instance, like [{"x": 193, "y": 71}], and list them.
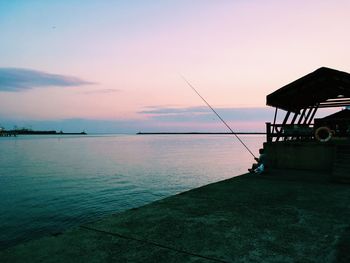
[{"x": 284, "y": 216}]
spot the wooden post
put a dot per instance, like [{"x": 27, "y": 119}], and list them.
[
  {"x": 312, "y": 115},
  {"x": 268, "y": 132},
  {"x": 283, "y": 124}
]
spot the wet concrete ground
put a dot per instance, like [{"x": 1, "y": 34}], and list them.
[{"x": 284, "y": 216}]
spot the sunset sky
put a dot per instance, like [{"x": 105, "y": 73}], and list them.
[{"x": 115, "y": 66}]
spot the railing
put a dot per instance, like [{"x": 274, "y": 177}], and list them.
[{"x": 287, "y": 132}]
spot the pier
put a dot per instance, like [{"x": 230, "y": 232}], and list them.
[
  {"x": 4, "y": 133},
  {"x": 14, "y": 133},
  {"x": 283, "y": 216}
]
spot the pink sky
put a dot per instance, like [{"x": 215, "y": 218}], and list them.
[{"x": 233, "y": 52}]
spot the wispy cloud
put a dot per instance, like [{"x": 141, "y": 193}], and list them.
[
  {"x": 102, "y": 91},
  {"x": 191, "y": 114},
  {"x": 20, "y": 79},
  {"x": 154, "y": 110}
]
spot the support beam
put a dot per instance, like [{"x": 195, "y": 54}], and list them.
[
  {"x": 268, "y": 132},
  {"x": 312, "y": 115},
  {"x": 309, "y": 110},
  {"x": 294, "y": 117},
  {"x": 274, "y": 121},
  {"x": 302, "y": 115},
  {"x": 292, "y": 122},
  {"x": 284, "y": 123}
]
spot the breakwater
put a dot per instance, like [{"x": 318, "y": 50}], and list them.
[{"x": 9, "y": 133}]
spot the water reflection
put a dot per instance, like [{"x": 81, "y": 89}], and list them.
[{"x": 48, "y": 184}]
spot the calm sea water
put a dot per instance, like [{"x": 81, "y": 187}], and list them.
[{"x": 51, "y": 183}]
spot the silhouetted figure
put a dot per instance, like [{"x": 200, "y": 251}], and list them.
[{"x": 260, "y": 166}]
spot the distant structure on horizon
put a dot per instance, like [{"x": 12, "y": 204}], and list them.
[{"x": 24, "y": 131}]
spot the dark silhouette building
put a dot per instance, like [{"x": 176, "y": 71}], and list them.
[{"x": 302, "y": 142}]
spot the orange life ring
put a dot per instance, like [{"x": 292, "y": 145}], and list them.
[{"x": 323, "y": 134}]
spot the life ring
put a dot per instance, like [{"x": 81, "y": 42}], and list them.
[{"x": 323, "y": 134}]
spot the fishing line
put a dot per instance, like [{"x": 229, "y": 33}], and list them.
[
  {"x": 239, "y": 139},
  {"x": 154, "y": 244}
]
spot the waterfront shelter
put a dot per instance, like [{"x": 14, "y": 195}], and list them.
[
  {"x": 302, "y": 142},
  {"x": 302, "y": 98}
]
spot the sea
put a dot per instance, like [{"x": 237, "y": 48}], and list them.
[{"x": 49, "y": 184}]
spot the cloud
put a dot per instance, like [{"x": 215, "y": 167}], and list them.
[
  {"x": 20, "y": 79},
  {"x": 102, "y": 91},
  {"x": 169, "y": 110},
  {"x": 204, "y": 114}
]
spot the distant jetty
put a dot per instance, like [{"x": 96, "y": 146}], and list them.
[
  {"x": 9, "y": 133},
  {"x": 199, "y": 133}
]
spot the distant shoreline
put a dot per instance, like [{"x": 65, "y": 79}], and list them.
[
  {"x": 200, "y": 133},
  {"x": 9, "y": 133}
]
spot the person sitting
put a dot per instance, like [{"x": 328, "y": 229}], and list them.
[{"x": 259, "y": 167}]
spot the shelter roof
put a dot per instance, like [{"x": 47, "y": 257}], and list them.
[
  {"x": 343, "y": 114},
  {"x": 324, "y": 87}
]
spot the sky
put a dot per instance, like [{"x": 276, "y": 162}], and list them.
[{"x": 116, "y": 66}]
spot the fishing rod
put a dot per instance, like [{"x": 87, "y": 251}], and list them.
[{"x": 239, "y": 139}]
